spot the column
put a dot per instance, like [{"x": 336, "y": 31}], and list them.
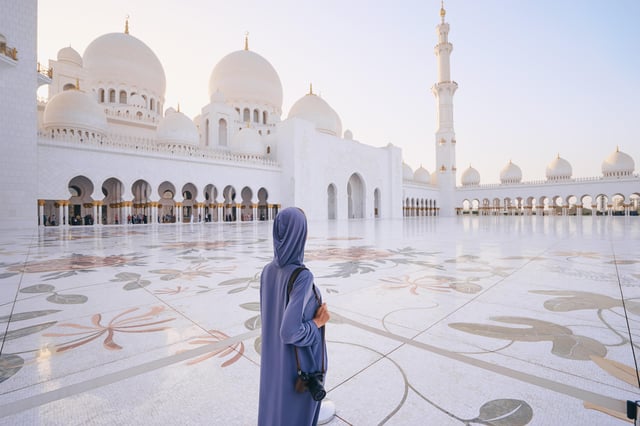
[
  {"x": 178, "y": 212},
  {"x": 220, "y": 210},
  {"x": 238, "y": 212},
  {"x": 60, "y": 204},
  {"x": 41, "y": 204},
  {"x": 255, "y": 212},
  {"x": 94, "y": 212}
]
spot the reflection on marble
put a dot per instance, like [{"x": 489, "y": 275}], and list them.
[{"x": 468, "y": 320}]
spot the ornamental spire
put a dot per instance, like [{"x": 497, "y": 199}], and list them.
[
  {"x": 311, "y": 88},
  {"x": 442, "y": 11},
  {"x": 126, "y": 25},
  {"x": 246, "y": 40}
]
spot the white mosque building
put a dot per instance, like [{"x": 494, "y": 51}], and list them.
[{"x": 102, "y": 149}]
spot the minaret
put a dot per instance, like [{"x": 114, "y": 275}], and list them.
[{"x": 443, "y": 90}]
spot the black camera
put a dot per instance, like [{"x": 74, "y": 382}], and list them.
[{"x": 311, "y": 382}]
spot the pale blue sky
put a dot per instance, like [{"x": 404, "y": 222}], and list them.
[{"x": 536, "y": 77}]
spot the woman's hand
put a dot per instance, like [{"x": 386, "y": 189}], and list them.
[{"x": 322, "y": 316}]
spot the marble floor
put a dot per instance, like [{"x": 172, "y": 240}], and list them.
[{"x": 436, "y": 321}]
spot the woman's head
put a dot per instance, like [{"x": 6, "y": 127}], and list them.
[{"x": 289, "y": 236}]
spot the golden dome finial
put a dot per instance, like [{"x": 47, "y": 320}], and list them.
[
  {"x": 178, "y": 106},
  {"x": 442, "y": 11},
  {"x": 311, "y": 88},
  {"x": 126, "y": 25},
  {"x": 77, "y": 84},
  {"x": 246, "y": 40}
]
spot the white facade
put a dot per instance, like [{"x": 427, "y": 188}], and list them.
[{"x": 103, "y": 150}]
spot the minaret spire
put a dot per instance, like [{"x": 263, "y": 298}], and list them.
[
  {"x": 246, "y": 40},
  {"x": 444, "y": 90},
  {"x": 126, "y": 25}
]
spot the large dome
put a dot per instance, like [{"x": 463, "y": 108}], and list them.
[
  {"x": 618, "y": 164},
  {"x": 559, "y": 169},
  {"x": 315, "y": 109},
  {"x": 244, "y": 76},
  {"x": 122, "y": 59},
  {"x": 177, "y": 128},
  {"x": 69, "y": 55},
  {"x": 470, "y": 177},
  {"x": 511, "y": 173},
  {"x": 422, "y": 175},
  {"x": 75, "y": 110}
]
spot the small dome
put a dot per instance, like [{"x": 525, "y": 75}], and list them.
[
  {"x": 122, "y": 58},
  {"x": 74, "y": 109},
  {"x": 177, "y": 128},
  {"x": 511, "y": 173},
  {"x": 70, "y": 55},
  {"x": 316, "y": 110},
  {"x": 244, "y": 76},
  {"x": 422, "y": 175},
  {"x": 407, "y": 173},
  {"x": 470, "y": 177},
  {"x": 348, "y": 134},
  {"x": 137, "y": 100},
  {"x": 618, "y": 164},
  {"x": 248, "y": 141},
  {"x": 559, "y": 169}
]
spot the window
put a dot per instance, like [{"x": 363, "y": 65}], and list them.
[
  {"x": 246, "y": 115},
  {"x": 123, "y": 97},
  {"x": 101, "y": 95},
  {"x": 256, "y": 116},
  {"x": 264, "y": 117},
  {"x": 112, "y": 96}
]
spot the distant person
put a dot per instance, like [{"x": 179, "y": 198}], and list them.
[{"x": 292, "y": 330}]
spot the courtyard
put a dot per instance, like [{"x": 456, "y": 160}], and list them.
[{"x": 508, "y": 320}]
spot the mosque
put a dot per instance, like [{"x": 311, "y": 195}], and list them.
[{"x": 103, "y": 149}]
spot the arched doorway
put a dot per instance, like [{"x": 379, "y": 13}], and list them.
[
  {"x": 263, "y": 206},
  {"x": 229, "y": 195},
  {"x": 81, "y": 203},
  {"x": 376, "y": 203},
  {"x": 355, "y": 197},
  {"x": 112, "y": 189},
  {"x": 332, "y": 208}
]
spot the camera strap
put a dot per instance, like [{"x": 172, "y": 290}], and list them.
[{"x": 294, "y": 276}]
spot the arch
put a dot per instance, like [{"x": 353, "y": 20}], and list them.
[
  {"x": 601, "y": 203},
  {"x": 634, "y": 204},
  {"x": 355, "y": 197},
  {"x": 263, "y": 205},
  {"x": 222, "y": 132},
  {"x": 101, "y": 96},
  {"x": 69, "y": 86},
  {"x": 246, "y": 212},
  {"x": 206, "y": 132},
  {"x": 152, "y": 104},
  {"x": 80, "y": 201},
  {"x": 112, "y": 189},
  {"x": 167, "y": 203},
  {"x": 112, "y": 96},
  {"x": 332, "y": 202},
  {"x": 141, "y": 191},
  {"x": 123, "y": 97},
  {"x": 189, "y": 203},
  {"x": 229, "y": 195},
  {"x": 256, "y": 116},
  {"x": 210, "y": 194},
  {"x": 265, "y": 115},
  {"x": 246, "y": 115}
]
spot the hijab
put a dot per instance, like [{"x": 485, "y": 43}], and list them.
[{"x": 289, "y": 237}]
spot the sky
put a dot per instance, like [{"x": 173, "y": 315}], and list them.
[{"x": 537, "y": 78}]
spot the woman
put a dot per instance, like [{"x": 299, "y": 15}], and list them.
[{"x": 289, "y": 320}]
